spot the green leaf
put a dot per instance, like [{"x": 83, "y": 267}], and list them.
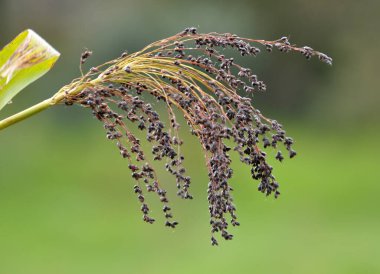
[{"x": 23, "y": 61}]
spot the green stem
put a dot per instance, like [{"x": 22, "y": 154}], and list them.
[
  {"x": 25, "y": 113},
  {"x": 72, "y": 89}
]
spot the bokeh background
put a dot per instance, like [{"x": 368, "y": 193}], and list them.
[{"x": 66, "y": 201}]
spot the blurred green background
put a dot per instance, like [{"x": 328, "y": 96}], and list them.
[{"x": 66, "y": 201}]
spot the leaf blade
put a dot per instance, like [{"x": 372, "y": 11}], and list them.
[{"x": 25, "y": 59}]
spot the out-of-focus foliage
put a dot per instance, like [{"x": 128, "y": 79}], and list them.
[{"x": 65, "y": 195}]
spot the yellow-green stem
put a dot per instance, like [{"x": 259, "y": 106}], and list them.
[
  {"x": 58, "y": 97},
  {"x": 25, "y": 113}
]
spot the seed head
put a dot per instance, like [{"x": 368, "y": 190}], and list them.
[{"x": 187, "y": 72}]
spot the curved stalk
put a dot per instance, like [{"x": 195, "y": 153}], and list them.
[
  {"x": 22, "y": 115},
  {"x": 71, "y": 89}
]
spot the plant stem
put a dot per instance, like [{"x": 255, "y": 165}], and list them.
[
  {"x": 25, "y": 113},
  {"x": 72, "y": 89}
]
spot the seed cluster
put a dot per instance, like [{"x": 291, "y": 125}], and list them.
[{"x": 188, "y": 72}]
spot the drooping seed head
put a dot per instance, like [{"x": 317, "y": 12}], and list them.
[{"x": 188, "y": 72}]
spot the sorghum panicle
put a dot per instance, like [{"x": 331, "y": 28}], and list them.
[{"x": 188, "y": 72}]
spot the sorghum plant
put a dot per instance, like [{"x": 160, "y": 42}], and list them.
[{"x": 189, "y": 73}]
